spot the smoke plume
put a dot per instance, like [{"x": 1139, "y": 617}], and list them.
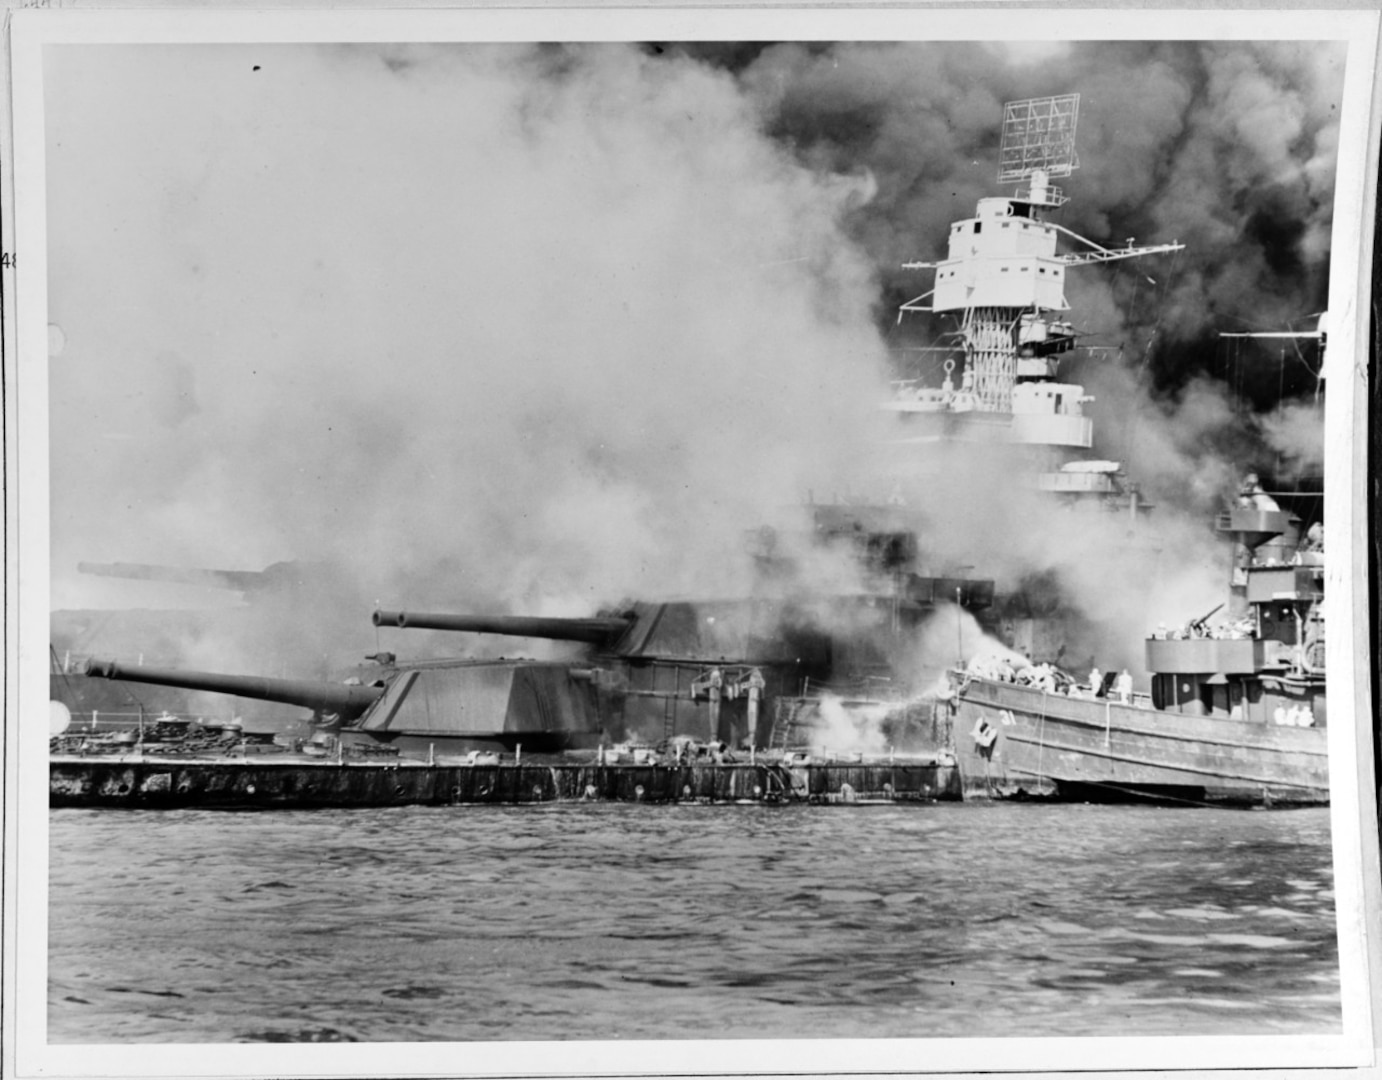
[
  {"x": 536, "y": 328},
  {"x": 1295, "y": 431},
  {"x": 512, "y": 328},
  {"x": 1226, "y": 147}
]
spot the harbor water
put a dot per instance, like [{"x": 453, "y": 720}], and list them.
[{"x": 611, "y": 921}]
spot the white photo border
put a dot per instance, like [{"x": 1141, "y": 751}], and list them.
[{"x": 1354, "y": 812}]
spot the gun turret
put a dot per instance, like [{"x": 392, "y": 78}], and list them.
[
  {"x": 597, "y": 631},
  {"x": 346, "y": 701}
]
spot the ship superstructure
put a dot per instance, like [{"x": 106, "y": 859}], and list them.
[
  {"x": 1264, "y": 661},
  {"x": 1003, "y": 284}
]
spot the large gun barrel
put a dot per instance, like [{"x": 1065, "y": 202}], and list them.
[
  {"x": 598, "y": 631},
  {"x": 346, "y": 701}
]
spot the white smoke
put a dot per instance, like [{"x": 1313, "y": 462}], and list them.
[
  {"x": 512, "y": 328},
  {"x": 1295, "y": 430},
  {"x": 537, "y": 328},
  {"x": 852, "y": 728}
]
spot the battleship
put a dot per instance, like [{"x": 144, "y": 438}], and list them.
[
  {"x": 1236, "y": 711},
  {"x": 651, "y": 701},
  {"x": 750, "y": 691},
  {"x": 646, "y": 712}
]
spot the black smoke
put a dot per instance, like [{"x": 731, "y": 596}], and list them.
[{"x": 1227, "y": 147}]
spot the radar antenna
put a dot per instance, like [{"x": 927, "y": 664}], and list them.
[{"x": 1039, "y": 144}]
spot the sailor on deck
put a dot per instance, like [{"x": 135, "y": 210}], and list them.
[{"x": 1252, "y": 495}]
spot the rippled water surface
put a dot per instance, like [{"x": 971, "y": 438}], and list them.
[{"x": 612, "y": 921}]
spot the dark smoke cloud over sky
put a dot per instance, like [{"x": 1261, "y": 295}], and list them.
[
  {"x": 1229, "y": 148},
  {"x": 538, "y": 327}
]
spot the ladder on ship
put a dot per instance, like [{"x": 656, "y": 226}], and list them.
[
  {"x": 785, "y": 714},
  {"x": 669, "y": 707}
]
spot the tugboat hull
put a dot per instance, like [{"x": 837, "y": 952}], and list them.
[{"x": 1043, "y": 743}]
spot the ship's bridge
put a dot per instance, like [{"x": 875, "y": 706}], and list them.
[
  {"x": 1001, "y": 227},
  {"x": 1001, "y": 258}
]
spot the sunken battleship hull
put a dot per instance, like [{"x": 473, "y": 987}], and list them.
[
  {"x": 290, "y": 782},
  {"x": 648, "y": 674},
  {"x": 501, "y": 731}
]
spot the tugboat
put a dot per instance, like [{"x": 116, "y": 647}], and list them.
[{"x": 1236, "y": 712}]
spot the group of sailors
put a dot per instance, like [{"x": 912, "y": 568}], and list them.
[
  {"x": 1252, "y": 496},
  {"x": 1024, "y": 672},
  {"x": 1050, "y": 679},
  {"x": 1246, "y": 627}
]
